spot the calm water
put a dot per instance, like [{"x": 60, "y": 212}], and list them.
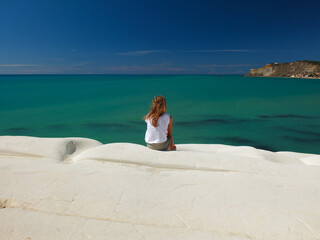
[{"x": 276, "y": 114}]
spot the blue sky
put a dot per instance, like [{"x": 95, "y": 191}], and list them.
[{"x": 155, "y": 37}]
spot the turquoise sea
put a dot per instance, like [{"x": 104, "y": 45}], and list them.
[{"x": 277, "y": 114}]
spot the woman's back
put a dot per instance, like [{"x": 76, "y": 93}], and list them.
[{"x": 157, "y": 134}]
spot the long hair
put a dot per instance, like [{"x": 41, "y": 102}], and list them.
[{"x": 157, "y": 109}]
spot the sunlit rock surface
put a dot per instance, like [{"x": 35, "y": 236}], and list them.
[
  {"x": 76, "y": 188},
  {"x": 300, "y": 69}
]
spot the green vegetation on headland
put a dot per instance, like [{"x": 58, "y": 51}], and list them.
[{"x": 298, "y": 69}]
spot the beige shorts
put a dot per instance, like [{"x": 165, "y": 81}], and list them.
[{"x": 164, "y": 146}]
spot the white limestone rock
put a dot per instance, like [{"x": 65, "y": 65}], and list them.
[{"x": 127, "y": 191}]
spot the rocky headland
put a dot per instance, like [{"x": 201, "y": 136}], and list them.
[{"x": 298, "y": 69}]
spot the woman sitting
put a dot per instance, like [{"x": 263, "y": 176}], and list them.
[{"x": 159, "y": 126}]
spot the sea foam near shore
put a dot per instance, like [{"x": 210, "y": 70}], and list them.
[{"x": 80, "y": 188}]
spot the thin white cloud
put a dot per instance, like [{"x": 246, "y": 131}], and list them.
[
  {"x": 221, "y": 50},
  {"x": 54, "y": 59},
  {"x": 20, "y": 65},
  {"x": 140, "y": 53},
  {"x": 227, "y": 65},
  {"x": 155, "y": 68},
  {"x": 80, "y": 64},
  {"x": 76, "y": 68}
]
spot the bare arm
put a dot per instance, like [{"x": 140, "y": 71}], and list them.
[
  {"x": 169, "y": 132},
  {"x": 169, "y": 135}
]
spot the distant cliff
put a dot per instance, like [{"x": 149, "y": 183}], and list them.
[{"x": 299, "y": 69}]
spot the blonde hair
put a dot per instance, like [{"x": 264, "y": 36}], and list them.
[{"x": 157, "y": 109}]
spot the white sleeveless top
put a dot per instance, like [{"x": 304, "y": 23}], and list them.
[{"x": 157, "y": 134}]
